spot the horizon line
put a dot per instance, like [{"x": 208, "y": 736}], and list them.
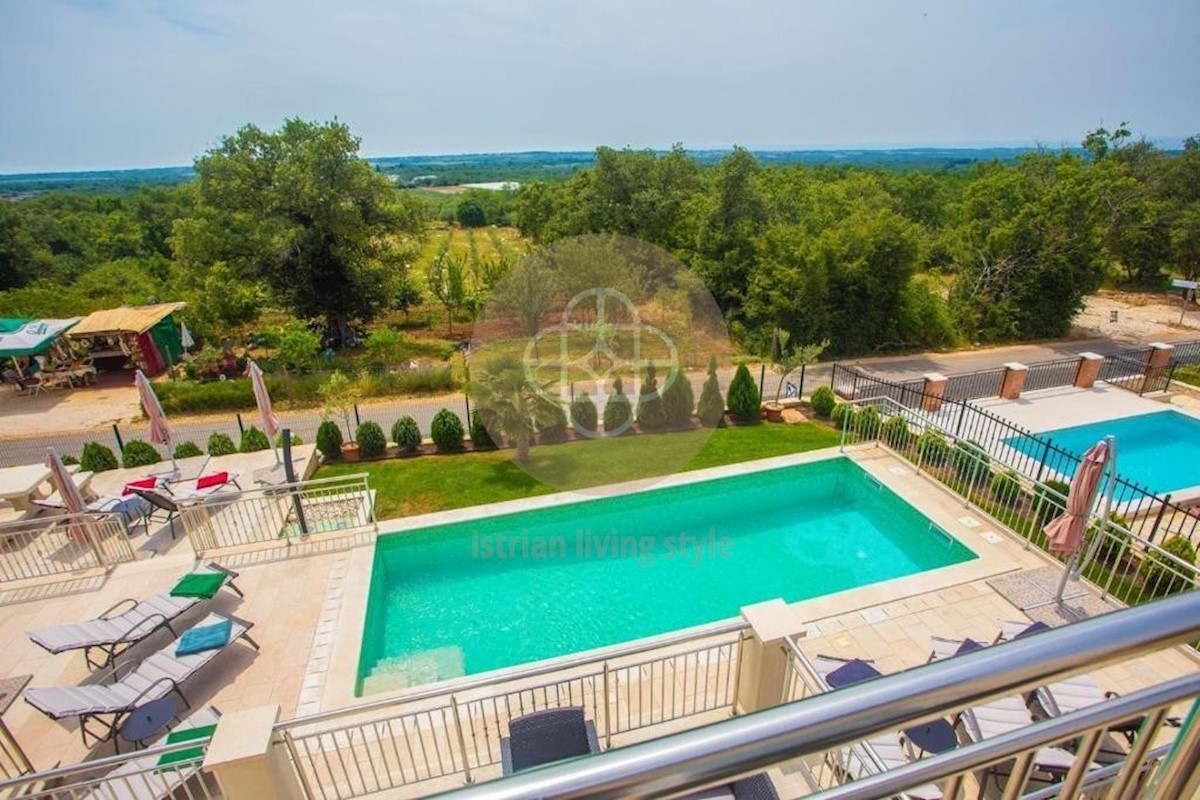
[{"x": 1159, "y": 141}]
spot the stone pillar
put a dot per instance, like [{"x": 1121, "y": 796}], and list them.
[
  {"x": 764, "y": 668},
  {"x": 1157, "y": 362},
  {"x": 1014, "y": 380},
  {"x": 1089, "y": 370},
  {"x": 244, "y": 761},
  {"x": 934, "y": 389}
]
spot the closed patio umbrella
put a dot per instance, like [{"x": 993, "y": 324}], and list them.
[
  {"x": 1065, "y": 532},
  {"x": 160, "y": 431},
  {"x": 72, "y": 498},
  {"x": 262, "y": 398}
]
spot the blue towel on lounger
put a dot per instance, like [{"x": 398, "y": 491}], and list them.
[{"x": 208, "y": 637}]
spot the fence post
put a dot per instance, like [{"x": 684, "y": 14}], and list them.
[
  {"x": 1162, "y": 508},
  {"x": 117, "y": 435},
  {"x": 462, "y": 741},
  {"x": 962, "y": 412},
  {"x": 357, "y": 421},
  {"x": 1042, "y": 462},
  {"x": 762, "y": 376},
  {"x": 289, "y": 474},
  {"x": 764, "y": 667},
  {"x": 467, "y": 403},
  {"x": 245, "y": 760},
  {"x": 800, "y": 390},
  {"x": 241, "y": 425}
]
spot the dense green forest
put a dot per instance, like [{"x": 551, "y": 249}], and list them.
[{"x": 868, "y": 258}]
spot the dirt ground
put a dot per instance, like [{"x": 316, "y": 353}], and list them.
[
  {"x": 112, "y": 399},
  {"x": 1143, "y": 317}
]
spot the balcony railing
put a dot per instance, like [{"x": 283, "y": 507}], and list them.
[
  {"x": 814, "y": 727},
  {"x": 455, "y": 734},
  {"x": 280, "y": 514},
  {"x": 60, "y": 545}
]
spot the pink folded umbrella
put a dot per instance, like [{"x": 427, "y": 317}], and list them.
[
  {"x": 1065, "y": 532},
  {"x": 262, "y": 399},
  {"x": 160, "y": 431},
  {"x": 72, "y": 498}
]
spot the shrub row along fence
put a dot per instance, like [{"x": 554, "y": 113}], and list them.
[
  {"x": 1034, "y": 456},
  {"x": 1123, "y": 563}
]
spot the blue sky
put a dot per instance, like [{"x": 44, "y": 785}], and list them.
[{"x": 99, "y": 84}]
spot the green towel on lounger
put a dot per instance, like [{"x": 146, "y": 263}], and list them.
[
  {"x": 199, "y": 584},
  {"x": 185, "y": 735}
]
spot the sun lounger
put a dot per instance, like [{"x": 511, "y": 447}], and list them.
[
  {"x": 101, "y": 708},
  {"x": 104, "y": 638},
  {"x": 889, "y": 746},
  {"x": 1002, "y": 715},
  {"x": 142, "y": 778},
  {"x": 547, "y": 736},
  {"x": 205, "y": 486}
]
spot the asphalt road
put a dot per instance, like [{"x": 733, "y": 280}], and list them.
[{"x": 15, "y": 449}]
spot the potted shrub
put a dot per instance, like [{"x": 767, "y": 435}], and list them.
[
  {"x": 371, "y": 441},
  {"x": 340, "y": 396},
  {"x": 784, "y": 361},
  {"x": 407, "y": 435}
]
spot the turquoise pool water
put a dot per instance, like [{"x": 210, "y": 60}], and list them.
[
  {"x": 1160, "y": 450},
  {"x": 469, "y": 597}
]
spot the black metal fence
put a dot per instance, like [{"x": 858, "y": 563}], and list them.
[
  {"x": 1035, "y": 456},
  {"x": 1052, "y": 374},
  {"x": 975, "y": 385}
]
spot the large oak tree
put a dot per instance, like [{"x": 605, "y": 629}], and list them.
[{"x": 298, "y": 210}]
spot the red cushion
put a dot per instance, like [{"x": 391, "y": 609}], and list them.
[
  {"x": 140, "y": 483},
  {"x": 208, "y": 481}
]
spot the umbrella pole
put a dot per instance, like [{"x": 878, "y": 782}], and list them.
[{"x": 1074, "y": 563}]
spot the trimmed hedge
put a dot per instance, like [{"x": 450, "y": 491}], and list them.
[
  {"x": 584, "y": 415},
  {"x": 933, "y": 448},
  {"x": 1160, "y": 576},
  {"x": 679, "y": 401},
  {"x": 139, "y": 454},
  {"x": 447, "y": 431},
  {"x": 219, "y": 444},
  {"x": 95, "y": 457},
  {"x": 481, "y": 438},
  {"x": 822, "y": 401},
  {"x": 329, "y": 440},
  {"x": 617, "y": 411},
  {"x": 554, "y": 427},
  {"x": 842, "y": 415},
  {"x": 744, "y": 402},
  {"x": 711, "y": 408},
  {"x": 371, "y": 441},
  {"x": 253, "y": 440},
  {"x": 188, "y": 450},
  {"x": 407, "y": 434}
]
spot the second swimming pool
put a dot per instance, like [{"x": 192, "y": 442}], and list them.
[{"x": 475, "y": 596}]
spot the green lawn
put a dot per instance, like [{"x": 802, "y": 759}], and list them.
[{"x": 435, "y": 483}]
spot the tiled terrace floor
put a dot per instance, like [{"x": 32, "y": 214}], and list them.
[{"x": 291, "y": 603}]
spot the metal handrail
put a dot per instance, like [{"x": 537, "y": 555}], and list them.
[
  {"x": 515, "y": 675},
  {"x": 726, "y": 750}
]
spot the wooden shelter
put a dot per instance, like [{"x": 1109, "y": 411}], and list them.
[{"x": 149, "y": 336}]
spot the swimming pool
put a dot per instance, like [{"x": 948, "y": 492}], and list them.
[
  {"x": 1160, "y": 450},
  {"x": 474, "y": 596}
]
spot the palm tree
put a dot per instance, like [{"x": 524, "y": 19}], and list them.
[{"x": 510, "y": 404}]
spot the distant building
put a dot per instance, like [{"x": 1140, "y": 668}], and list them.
[{"x": 494, "y": 186}]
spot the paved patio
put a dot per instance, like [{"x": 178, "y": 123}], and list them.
[{"x": 308, "y": 615}]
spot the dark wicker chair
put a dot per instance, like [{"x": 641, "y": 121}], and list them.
[{"x": 547, "y": 736}]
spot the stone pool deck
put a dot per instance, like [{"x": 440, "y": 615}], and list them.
[{"x": 308, "y": 614}]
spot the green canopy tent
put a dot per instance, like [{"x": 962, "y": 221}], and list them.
[{"x": 32, "y": 338}]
